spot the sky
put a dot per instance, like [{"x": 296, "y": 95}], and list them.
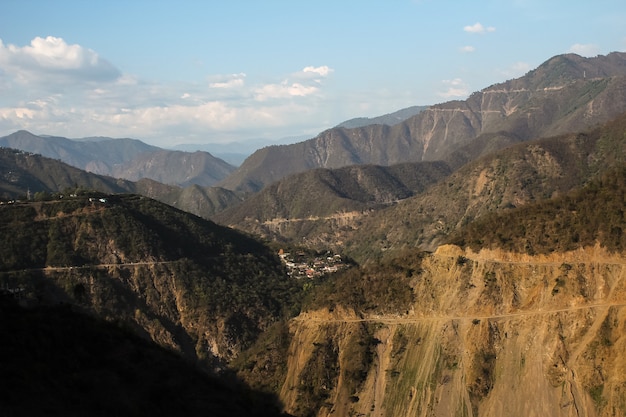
[{"x": 185, "y": 71}]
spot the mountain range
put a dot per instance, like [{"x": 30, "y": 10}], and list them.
[
  {"x": 130, "y": 159},
  {"x": 487, "y": 246},
  {"x": 566, "y": 93},
  {"x": 389, "y": 119}
]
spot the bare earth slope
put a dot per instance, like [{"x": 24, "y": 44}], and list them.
[{"x": 493, "y": 334}]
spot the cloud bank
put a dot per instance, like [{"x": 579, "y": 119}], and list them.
[
  {"x": 586, "y": 50},
  {"x": 52, "y": 57},
  {"x": 53, "y": 87},
  {"x": 455, "y": 88}
]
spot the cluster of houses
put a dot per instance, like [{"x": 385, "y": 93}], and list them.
[{"x": 303, "y": 265}]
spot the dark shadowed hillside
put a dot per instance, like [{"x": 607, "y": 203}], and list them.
[
  {"x": 186, "y": 283},
  {"x": 58, "y": 362}
]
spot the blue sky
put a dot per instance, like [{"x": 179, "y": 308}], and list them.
[{"x": 172, "y": 72}]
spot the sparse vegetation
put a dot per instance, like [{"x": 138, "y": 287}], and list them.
[
  {"x": 125, "y": 251},
  {"x": 379, "y": 288},
  {"x": 581, "y": 218},
  {"x": 318, "y": 378}
]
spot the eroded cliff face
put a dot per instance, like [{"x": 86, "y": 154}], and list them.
[{"x": 490, "y": 334}]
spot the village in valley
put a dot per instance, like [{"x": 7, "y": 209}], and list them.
[{"x": 301, "y": 264}]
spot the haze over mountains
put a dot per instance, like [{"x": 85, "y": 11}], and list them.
[
  {"x": 488, "y": 237},
  {"x": 130, "y": 159}
]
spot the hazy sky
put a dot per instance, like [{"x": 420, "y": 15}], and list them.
[{"x": 171, "y": 72}]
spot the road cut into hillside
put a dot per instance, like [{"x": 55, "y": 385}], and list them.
[{"x": 490, "y": 334}]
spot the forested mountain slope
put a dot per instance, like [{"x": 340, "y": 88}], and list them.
[
  {"x": 292, "y": 207},
  {"x": 186, "y": 283},
  {"x": 500, "y": 180},
  {"x": 503, "y": 180}
]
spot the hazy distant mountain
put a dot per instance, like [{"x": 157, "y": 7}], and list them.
[
  {"x": 174, "y": 167},
  {"x": 567, "y": 93},
  {"x": 23, "y": 173},
  {"x": 78, "y": 153},
  {"x": 387, "y": 119},
  {"x": 124, "y": 158},
  {"x": 236, "y": 152}
]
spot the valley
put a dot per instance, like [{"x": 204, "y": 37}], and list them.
[{"x": 461, "y": 259}]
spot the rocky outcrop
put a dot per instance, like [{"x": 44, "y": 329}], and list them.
[{"x": 490, "y": 334}]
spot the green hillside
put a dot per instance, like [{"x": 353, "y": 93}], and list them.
[
  {"x": 582, "y": 218},
  {"x": 187, "y": 283}
]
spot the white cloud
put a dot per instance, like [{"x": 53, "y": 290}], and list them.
[
  {"x": 323, "y": 71},
  {"x": 478, "y": 28},
  {"x": 229, "y": 81},
  {"x": 516, "y": 70},
  {"x": 308, "y": 83},
  {"x": 467, "y": 48},
  {"x": 51, "y": 58},
  {"x": 584, "y": 49},
  {"x": 52, "y": 87},
  {"x": 456, "y": 88},
  {"x": 284, "y": 90}
]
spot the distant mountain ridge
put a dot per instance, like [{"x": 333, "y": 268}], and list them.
[
  {"x": 366, "y": 211},
  {"x": 235, "y": 153},
  {"x": 566, "y": 93},
  {"x": 503, "y": 180},
  {"x": 22, "y": 173},
  {"x": 389, "y": 119},
  {"x": 124, "y": 158}
]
